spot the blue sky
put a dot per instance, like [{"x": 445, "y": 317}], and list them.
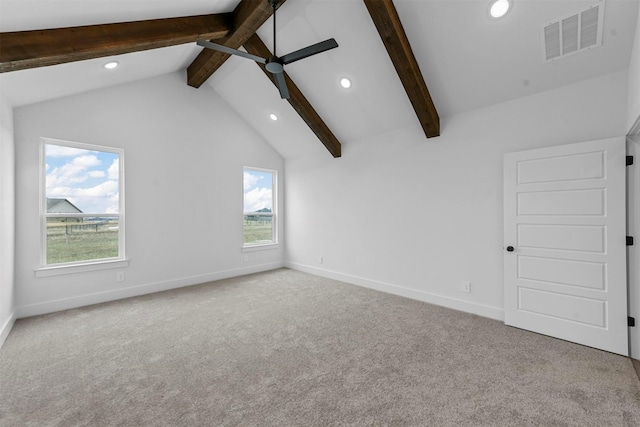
[
  {"x": 258, "y": 190},
  {"x": 88, "y": 179}
]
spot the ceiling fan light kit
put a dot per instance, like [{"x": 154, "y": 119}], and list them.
[{"x": 275, "y": 64}]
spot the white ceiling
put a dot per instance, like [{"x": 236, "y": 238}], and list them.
[{"x": 467, "y": 59}]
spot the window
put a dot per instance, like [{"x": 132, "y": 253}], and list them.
[
  {"x": 82, "y": 206},
  {"x": 259, "y": 201}
]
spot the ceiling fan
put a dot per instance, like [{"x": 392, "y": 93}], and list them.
[{"x": 275, "y": 64}]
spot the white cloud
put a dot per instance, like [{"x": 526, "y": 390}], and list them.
[
  {"x": 114, "y": 170},
  {"x": 113, "y": 206},
  {"x": 66, "y": 175},
  {"x": 257, "y": 199},
  {"x": 105, "y": 189},
  {"x": 87, "y": 161},
  {"x": 102, "y": 198},
  {"x": 69, "y": 177},
  {"x": 74, "y": 172},
  {"x": 60, "y": 151},
  {"x": 250, "y": 180}
]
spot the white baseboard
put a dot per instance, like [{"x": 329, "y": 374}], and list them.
[
  {"x": 444, "y": 301},
  {"x": 6, "y": 328},
  {"x": 100, "y": 297}
]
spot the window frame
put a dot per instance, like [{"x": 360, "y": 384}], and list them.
[
  {"x": 247, "y": 247},
  {"x": 119, "y": 261}
]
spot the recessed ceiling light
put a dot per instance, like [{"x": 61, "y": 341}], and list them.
[
  {"x": 499, "y": 8},
  {"x": 273, "y": 117},
  {"x": 345, "y": 83},
  {"x": 110, "y": 65}
]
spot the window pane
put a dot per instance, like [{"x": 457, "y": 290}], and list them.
[
  {"x": 258, "y": 229},
  {"x": 81, "y": 239},
  {"x": 258, "y": 207},
  {"x": 81, "y": 180}
]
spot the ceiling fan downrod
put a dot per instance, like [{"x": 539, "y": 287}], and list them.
[
  {"x": 275, "y": 64},
  {"x": 274, "y": 6}
]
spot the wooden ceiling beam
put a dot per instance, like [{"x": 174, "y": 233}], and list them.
[
  {"x": 248, "y": 16},
  {"x": 255, "y": 46},
  {"x": 386, "y": 19},
  {"x": 40, "y": 48}
]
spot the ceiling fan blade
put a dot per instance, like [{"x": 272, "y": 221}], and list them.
[
  {"x": 309, "y": 51},
  {"x": 224, "y": 49},
  {"x": 282, "y": 85}
]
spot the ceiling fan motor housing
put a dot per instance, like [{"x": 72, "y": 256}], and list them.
[{"x": 274, "y": 65}]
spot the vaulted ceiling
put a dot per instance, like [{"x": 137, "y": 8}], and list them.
[{"x": 466, "y": 59}]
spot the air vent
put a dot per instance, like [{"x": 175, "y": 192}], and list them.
[{"x": 574, "y": 33}]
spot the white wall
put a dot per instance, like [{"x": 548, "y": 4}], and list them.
[
  {"x": 633, "y": 113},
  {"x": 184, "y": 152},
  {"x": 7, "y": 213},
  {"x": 415, "y": 217}
]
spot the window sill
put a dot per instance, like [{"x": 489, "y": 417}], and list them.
[
  {"x": 260, "y": 247},
  {"x": 81, "y": 268}
]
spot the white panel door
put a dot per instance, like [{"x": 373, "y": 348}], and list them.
[{"x": 565, "y": 243}]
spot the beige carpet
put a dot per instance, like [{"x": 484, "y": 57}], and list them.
[{"x": 284, "y": 348}]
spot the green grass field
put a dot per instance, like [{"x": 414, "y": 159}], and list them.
[
  {"x": 69, "y": 242},
  {"x": 255, "y": 232}
]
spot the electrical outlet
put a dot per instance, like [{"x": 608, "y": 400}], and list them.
[
  {"x": 320, "y": 260},
  {"x": 246, "y": 258},
  {"x": 465, "y": 286},
  {"x": 120, "y": 276}
]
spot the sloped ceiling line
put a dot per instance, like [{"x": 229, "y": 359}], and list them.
[
  {"x": 256, "y": 46},
  {"x": 29, "y": 49},
  {"x": 38, "y": 48},
  {"x": 248, "y": 16},
  {"x": 387, "y": 22}
]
